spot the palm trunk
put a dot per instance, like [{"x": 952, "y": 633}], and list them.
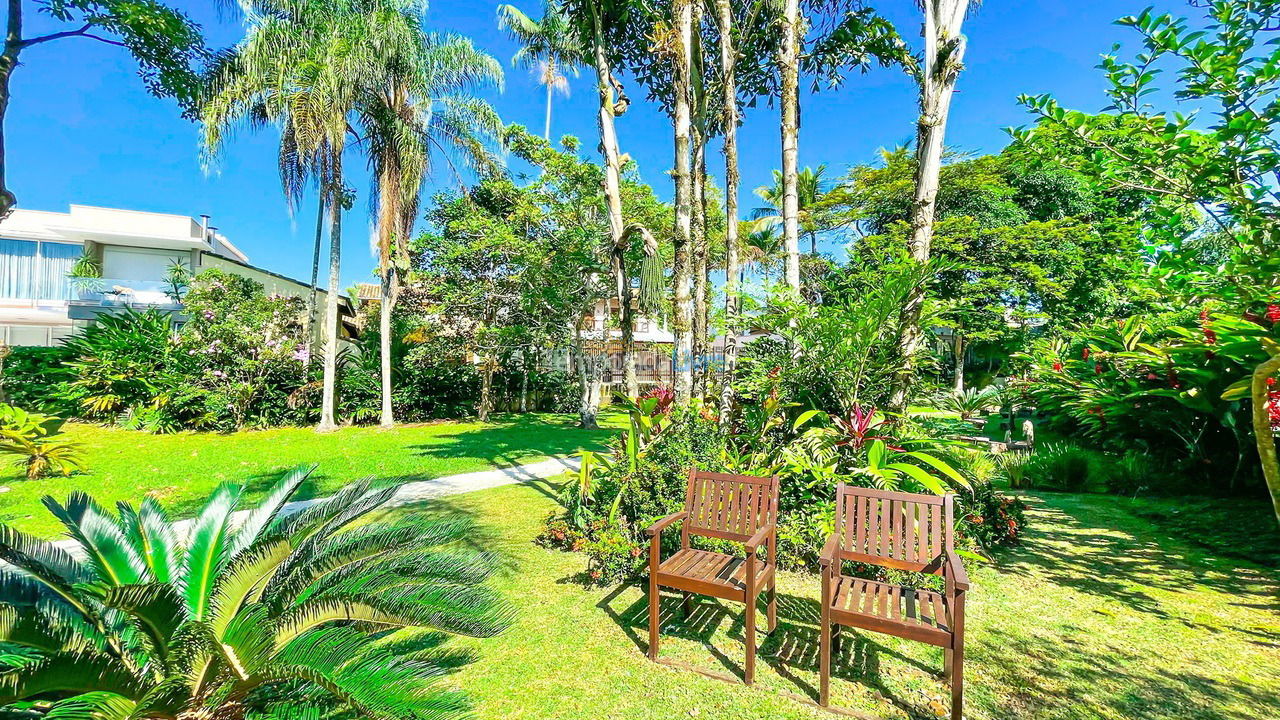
[
  {"x": 732, "y": 303},
  {"x": 1262, "y": 432},
  {"x": 546, "y": 133},
  {"x": 942, "y": 23},
  {"x": 315, "y": 268},
  {"x": 8, "y": 63},
  {"x": 698, "y": 138},
  {"x": 328, "y": 404},
  {"x": 700, "y": 285},
  {"x": 390, "y": 293},
  {"x": 789, "y": 65},
  {"x": 682, "y": 320},
  {"x": 957, "y": 349}
]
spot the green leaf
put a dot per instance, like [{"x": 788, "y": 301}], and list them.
[
  {"x": 930, "y": 483},
  {"x": 940, "y": 466},
  {"x": 804, "y": 418},
  {"x": 1238, "y": 390}
]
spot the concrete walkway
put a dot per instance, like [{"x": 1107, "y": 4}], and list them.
[{"x": 410, "y": 493}]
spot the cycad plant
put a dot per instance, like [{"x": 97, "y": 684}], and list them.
[{"x": 265, "y": 613}]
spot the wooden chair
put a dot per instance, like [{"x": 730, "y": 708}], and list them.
[
  {"x": 730, "y": 507},
  {"x": 903, "y": 531}
]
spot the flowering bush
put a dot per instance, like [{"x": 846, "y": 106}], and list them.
[{"x": 990, "y": 518}]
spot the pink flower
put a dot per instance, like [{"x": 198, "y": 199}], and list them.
[{"x": 302, "y": 355}]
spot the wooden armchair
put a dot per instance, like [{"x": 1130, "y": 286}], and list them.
[
  {"x": 903, "y": 531},
  {"x": 730, "y": 507}
]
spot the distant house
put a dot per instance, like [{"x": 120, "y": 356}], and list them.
[
  {"x": 40, "y": 304},
  {"x": 654, "y": 344}
]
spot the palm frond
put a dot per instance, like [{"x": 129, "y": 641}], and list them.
[{"x": 207, "y": 549}]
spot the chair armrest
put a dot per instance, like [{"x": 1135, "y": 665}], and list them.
[
  {"x": 828, "y": 556},
  {"x": 955, "y": 570},
  {"x": 761, "y": 535},
  {"x": 662, "y": 524}
]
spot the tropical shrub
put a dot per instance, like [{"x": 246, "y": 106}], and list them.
[
  {"x": 31, "y": 377},
  {"x": 1062, "y": 466},
  {"x": 30, "y": 437},
  {"x": 121, "y": 361},
  {"x": 276, "y": 614}
]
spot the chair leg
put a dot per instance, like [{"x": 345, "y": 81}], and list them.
[
  {"x": 824, "y": 662},
  {"x": 946, "y": 664},
  {"x": 654, "y": 609},
  {"x": 749, "y": 671},
  {"x": 836, "y": 638},
  {"x": 688, "y": 605},
  {"x": 773, "y": 606},
  {"x": 957, "y": 684}
]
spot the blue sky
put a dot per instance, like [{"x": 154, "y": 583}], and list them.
[{"x": 82, "y": 130}]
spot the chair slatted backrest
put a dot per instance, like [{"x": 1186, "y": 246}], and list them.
[
  {"x": 905, "y": 531},
  {"x": 731, "y": 507}
]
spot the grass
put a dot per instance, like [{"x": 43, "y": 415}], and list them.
[
  {"x": 1101, "y": 613},
  {"x": 181, "y": 469}
]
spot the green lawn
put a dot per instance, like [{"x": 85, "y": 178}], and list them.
[
  {"x": 1100, "y": 614},
  {"x": 181, "y": 469}
]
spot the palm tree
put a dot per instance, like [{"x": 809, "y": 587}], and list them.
[
  {"x": 811, "y": 188},
  {"x": 418, "y": 108},
  {"x": 270, "y": 614},
  {"x": 309, "y": 65},
  {"x": 761, "y": 247},
  {"x": 550, "y": 47}
]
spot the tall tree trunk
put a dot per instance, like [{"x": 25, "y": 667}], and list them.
[
  {"x": 613, "y": 195},
  {"x": 8, "y": 63},
  {"x": 789, "y": 66},
  {"x": 546, "y": 133},
  {"x": 391, "y": 221},
  {"x": 937, "y": 81},
  {"x": 732, "y": 301},
  {"x": 957, "y": 349},
  {"x": 1262, "y": 432},
  {"x": 682, "y": 315},
  {"x": 588, "y": 382},
  {"x": 524, "y": 380},
  {"x": 487, "y": 367},
  {"x": 336, "y": 190},
  {"x": 390, "y": 293},
  {"x": 315, "y": 268},
  {"x": 698, "y": 142}
]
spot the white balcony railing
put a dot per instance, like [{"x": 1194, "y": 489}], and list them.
[{"x": 116, "y": 292}]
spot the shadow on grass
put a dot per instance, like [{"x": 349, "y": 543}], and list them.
[
  {"x": 1067, "y": 546},
  {"x": 792, "y": 646},
  {"x": 512, "y": 439}
]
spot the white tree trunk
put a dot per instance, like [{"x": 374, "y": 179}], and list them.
[
  {"x": 937, "y": 81},
  {"x": 390, "y": 293},
  {"x": 613, "y": 196},
  {"x": 732, "y": 302},
  {"x": 789, "y": 66},
  {"x": 328, "y": 400},
  {"x": 682, "y": 320}
]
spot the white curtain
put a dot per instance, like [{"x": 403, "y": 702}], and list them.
[
  {"x": 17, "y": 269},
  {"x": 56, "y": 260}
]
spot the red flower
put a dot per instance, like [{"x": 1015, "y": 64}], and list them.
[
  {"x": 1097, "y": 368},
  {"x": 1152, "y": 376},
  {"x": 1271, "y": 381},
  {"x": 1085, "y": 354},
  {"x": 1273, "y": 312},
  {"x": 1204, "y": 315},
  {"x": 775, "y": 371},
  {"x": 1057, "y": 367}
]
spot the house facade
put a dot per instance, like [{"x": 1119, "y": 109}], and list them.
[{"x": 40, "y": 304}]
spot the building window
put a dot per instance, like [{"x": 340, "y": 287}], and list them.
[
  {"x": 55, "y": 262},
  {"x": 32, "y": 270},
  {"x": 18, "y": 269}
]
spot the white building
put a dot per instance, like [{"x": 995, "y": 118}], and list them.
[{"x": 40, "y": 304}]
